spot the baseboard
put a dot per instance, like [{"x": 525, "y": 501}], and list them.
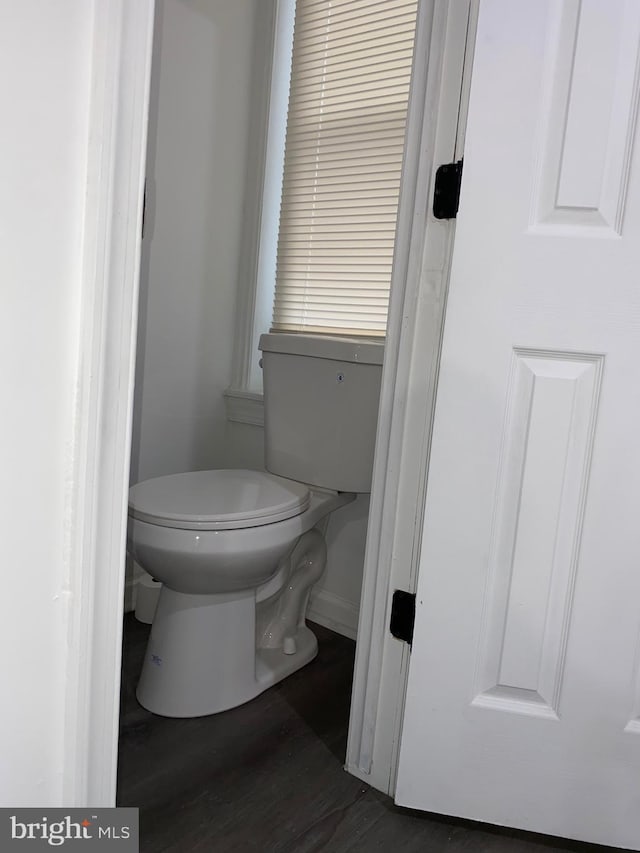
[{"x": 334, "y": 612}]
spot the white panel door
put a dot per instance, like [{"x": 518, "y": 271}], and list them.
[{"x": 523, "y": 700}]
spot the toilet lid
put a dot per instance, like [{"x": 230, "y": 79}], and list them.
[{"x": 217, "y": 500}]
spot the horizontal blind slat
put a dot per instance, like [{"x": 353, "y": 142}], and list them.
[
  {"x": 316, "y": 67},
  {"x": 327, "y": 127},
  {"x": 318, "y": 11},
  {"x": 310, "y": 5},
  {"x": 343, "y": 32}
]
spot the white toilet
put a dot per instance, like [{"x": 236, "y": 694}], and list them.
[{"x": 238, "y": 551}]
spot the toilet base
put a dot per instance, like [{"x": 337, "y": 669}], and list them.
[{"x": 201, "y": 656}]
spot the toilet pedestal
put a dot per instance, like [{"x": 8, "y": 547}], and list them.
[{"x": 201, "y": 655}]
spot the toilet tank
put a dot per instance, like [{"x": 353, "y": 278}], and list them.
[{"x": 321, "y": 399}]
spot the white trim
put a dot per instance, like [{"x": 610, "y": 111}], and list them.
[
  {"x": 334, "y": 612},
  {"x": 244, "y": 407},
  {"x": 408, "y": 392},
  {"x": 121, "y": 56}
]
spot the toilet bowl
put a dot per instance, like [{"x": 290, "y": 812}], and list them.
[
  {"x": 238, "y": 551},
  {"x": 215, "y": 531}
]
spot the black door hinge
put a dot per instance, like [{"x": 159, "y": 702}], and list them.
[
  {"x": 403, "y": 615},
  {"x": 446, "y": 194}
]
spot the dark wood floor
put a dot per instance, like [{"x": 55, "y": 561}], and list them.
[{"x": 268, "y": 776}]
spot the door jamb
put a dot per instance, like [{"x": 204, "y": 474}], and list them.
[
  {"x": 111, "y": 238},
  {"x": 437, "y": 113},
  {"x": 115, "y": 183}
]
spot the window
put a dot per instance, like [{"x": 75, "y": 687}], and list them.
[
  {"x": 349, "y": 90},
  {"x": 328, "y": 256}
]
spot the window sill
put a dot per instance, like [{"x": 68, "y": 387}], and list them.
[{"x": 244, "y": 407}]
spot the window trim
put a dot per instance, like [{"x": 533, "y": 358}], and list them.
[{"x": 273, "y": 43}]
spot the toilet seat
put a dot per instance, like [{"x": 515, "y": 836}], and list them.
[{"x": 217, "y": 500}]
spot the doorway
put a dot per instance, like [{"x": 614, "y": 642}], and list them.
[{"x": 182, "y": 417}]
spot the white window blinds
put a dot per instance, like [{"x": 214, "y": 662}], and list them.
[{"x": 350, "y": 77}]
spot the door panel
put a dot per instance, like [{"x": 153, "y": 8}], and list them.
[{"x": 523, "y": 699}]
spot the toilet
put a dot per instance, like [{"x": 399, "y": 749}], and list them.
[{"x": 239, "y": 551}]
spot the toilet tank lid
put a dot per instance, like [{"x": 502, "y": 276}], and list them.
[{"x": 324, "y": 346}]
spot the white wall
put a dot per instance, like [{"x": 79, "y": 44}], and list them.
[
  {"x": 44, "y": 79},
  {"x": 203, "y": 94},
  {"x": 198, "y": 132}
]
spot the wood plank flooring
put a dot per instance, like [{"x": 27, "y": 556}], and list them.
[{"x": 268, "y": 776}]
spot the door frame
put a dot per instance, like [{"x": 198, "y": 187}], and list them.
[
  {"x": 111, "y": 238},
  {"x": 120, "y": 83},
  {"x": 424, "y": 246}
]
